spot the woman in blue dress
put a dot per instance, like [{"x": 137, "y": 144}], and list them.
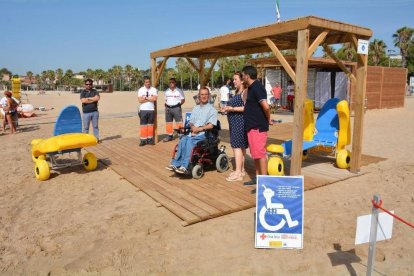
[{"x": 238, "y": 136}]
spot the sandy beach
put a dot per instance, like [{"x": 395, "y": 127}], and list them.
[{"x": 97, "y": 223}]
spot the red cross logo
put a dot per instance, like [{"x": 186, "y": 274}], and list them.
[{"x": 263, "y": 236}]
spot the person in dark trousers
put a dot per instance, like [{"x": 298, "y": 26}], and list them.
[
  {"x": 90, "y": 98},
  {"x": 147, "y": 95}
]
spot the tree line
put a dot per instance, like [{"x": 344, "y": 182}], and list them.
[{"x": 129, "y": 78}]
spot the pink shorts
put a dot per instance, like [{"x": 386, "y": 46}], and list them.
[{"x": 257, "y": 143}]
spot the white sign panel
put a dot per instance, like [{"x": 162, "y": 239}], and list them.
[
  {"x": 279, "y": 209},
  {"x": 384, "y": 229},
  {"x": 363, "y": 47},
  {"x": 411, "y": 81}
]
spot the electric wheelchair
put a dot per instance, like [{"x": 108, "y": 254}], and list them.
[{"x": 206, "y": 154}]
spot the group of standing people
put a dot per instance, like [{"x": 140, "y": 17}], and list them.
[
  {"x": 248, "y": 115},
  {"x": 249, "y": 118}
]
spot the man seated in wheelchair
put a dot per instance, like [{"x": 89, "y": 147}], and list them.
[{"x": 203, "y": 118}]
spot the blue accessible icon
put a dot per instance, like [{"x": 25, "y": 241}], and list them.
[{"x": 279, "y": 220}]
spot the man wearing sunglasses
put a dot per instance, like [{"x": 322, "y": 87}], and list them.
[{"x": 89, "y": 98}]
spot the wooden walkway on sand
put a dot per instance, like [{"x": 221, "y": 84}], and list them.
[{"x": 211, "y": 196}]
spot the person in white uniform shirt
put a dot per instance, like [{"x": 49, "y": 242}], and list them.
[
  {"x": 224, "y": 94},
  {"x": 147, "y": 95},
  {"x": 174, "y": 98}
]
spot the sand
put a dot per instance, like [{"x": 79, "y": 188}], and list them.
[{"x": 80, "y": 223}]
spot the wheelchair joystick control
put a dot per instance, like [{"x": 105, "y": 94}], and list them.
[{"x": 276, "y": 121}]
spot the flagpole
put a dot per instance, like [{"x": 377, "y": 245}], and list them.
[{"x": 277, "y": 11}]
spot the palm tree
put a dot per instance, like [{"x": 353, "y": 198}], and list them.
[
  {"x": 347, "y": 52},
  {"x": 402, "y": 40},
  {"x": 182, "y": 67},
  {"x": 116, "y": 73},
  {"x": 59, "y": 75},
  {"x": 136, "y": 78},
  {"x": 89, "y": 74},
  {"x": 128, "y": 74},
  {"x": 100, "y": 75},
  {"x": 376, "y": 51}
]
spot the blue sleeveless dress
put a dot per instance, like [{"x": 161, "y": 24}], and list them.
[{"x": 238, "y": 136}]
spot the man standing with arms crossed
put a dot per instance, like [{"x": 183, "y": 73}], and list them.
[
  {"x": 147, "y": 95},
  {"x": 174, "y": 98},
  {"x": 256, "y": 121},
  {"x": 89, "y": 98}
]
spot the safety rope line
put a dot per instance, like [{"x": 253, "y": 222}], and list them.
[{"x": 378, "y": 206}]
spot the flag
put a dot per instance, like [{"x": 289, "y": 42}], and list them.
[{"x": 277, "y": 11}]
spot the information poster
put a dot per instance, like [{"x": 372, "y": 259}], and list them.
[{"x": 279, "y": 212}]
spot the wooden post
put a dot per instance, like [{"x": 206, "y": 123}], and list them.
[
  {"x": 154, "y": 82},
  {"x": 300, "y": 96},
  {"x": 361, "y": 85},
  {"x": 203, "y": 79}
]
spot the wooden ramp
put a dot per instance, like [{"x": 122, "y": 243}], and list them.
[{"x": 193, "y": 200}]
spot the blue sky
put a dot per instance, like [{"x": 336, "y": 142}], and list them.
[{"x": 42, "y": 35}]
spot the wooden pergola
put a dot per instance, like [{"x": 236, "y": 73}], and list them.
[{"x": 304, "y": 34}]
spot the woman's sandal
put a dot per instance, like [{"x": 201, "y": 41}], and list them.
[{"x": 235, "y": 177}]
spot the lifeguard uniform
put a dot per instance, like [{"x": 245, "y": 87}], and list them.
[
  {"x": 173, "y": 110},
  {"x": 146, "y": 113}
]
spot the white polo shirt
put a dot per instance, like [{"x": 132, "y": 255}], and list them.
[
  {"x": 224, "y": 93},
  {"x": 147, "y": 92},
  {"x": 173, "y": 97}
]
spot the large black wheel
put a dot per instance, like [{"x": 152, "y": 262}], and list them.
[
  {"x": 222, "y": 163},
  {"x": 197, "y": 171}
]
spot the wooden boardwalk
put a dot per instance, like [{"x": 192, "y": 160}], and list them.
[{"x": 211, "y": 196}]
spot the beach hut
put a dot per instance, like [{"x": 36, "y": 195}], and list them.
[{"x": 304, "y": 35}]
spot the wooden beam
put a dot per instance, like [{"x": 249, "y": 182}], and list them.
[
  {"x": 354, "y": 42},
  {"x": 300, "y": 96},
  {"x": 154, "y": 83},
  {"x": 211, "y": 68},
  {"x": 201, "y": 72},
  {"x": 281, "y": 59},
  {"x": 160, "y": 68},
  {"x": 339, "y": 62},
  {"x": 316, "y": 43},
  {"x": 361, "y": 85},
  {"x": 190, "y": 60}
]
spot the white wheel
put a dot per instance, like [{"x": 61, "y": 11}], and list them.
[
  {"x": 197, "y": 171},
  {"x": 222, "y": 163}
]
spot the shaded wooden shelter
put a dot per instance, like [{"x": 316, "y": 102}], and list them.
[
  {"x": 385, "y": 86},
  {"x": 303, "y": 34}
]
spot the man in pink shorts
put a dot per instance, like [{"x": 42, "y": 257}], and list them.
[{"x": 256, "y": 120}]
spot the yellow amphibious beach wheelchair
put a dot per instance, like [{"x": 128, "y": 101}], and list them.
[{"x": 68, "y": 138}]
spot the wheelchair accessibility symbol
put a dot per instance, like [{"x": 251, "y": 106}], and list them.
[{"x": 271, "y": 210}]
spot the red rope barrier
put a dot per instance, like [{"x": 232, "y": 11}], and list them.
[{"x": 378, "y": 206}]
